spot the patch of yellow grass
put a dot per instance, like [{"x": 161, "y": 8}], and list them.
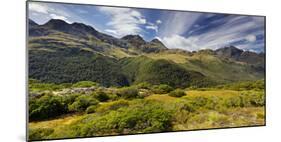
[
  {"x": 226, "y": 93},
  {"x": 55, "y": 123},
  {"x": 177, "y": 58},
  {"x": 233, "y": 117},
  {"x": 162, "y": 98}
]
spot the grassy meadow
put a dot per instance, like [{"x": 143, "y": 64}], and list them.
[{"x": 88, "y": 109}]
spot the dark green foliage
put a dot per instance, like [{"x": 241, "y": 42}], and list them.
[
  {"x": 177, "y": 93},
  {"x": 143, "y": 69},
  {"x": 162, "y": 89},
  {"x": 101, "y": 96},
  {"x": 144, "y": 117},
  {"x": 39, "y": 133},
  {"x": 70, "y": 66},
  {"x": 91, "y": 109},
  {"x": 81, "y": 103},
  {"x": 46, "y": 107},
  {"x": 128, "y": 93}
]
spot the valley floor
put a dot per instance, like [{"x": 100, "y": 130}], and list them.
[{"x": 189, "y": 115}]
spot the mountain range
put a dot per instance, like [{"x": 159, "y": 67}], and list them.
[{"x": 60, "y": 52}]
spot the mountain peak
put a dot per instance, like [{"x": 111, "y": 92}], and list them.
[
  {"x": 135, "y": 40},
  {"x": 157, "y": 43},
  {"x": 56, "y": 21},
  {"x": 56, "y": 24},
  {"x": 133, "y": 37},
  {"x": 155, "y": 40},
  {"x": 230, "y": 52}
]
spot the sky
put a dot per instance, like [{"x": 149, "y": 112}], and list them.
[{"x": 190, "y": 31}]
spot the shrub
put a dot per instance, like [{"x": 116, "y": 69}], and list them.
[
  {"x": 143, "y": 85},
  {"x": 85, "y": 84},
  {"x": 101, "y": 96},
  {"x": 234, "y": 101},
  {"x": 162, "y": 89},
  {"x": 112, "y": 106},
  {"x": 91, "y": 109},
  {"x": 143, "y": 117},
  {"x": 39, "y": 133},
  {"x": 254, "y": 98},
  {"x": 177, "y": 93},
  {"x": 81, "y": 103},
  {"x": 128, "y": 93},
  {"x": 46, "y": 107}
]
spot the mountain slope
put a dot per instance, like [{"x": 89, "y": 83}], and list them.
[
  {"x": 144, "y": 69},
  {"x": 60, "y": 52}
]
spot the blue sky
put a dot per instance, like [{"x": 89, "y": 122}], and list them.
[{"x": 185, "y": 30}]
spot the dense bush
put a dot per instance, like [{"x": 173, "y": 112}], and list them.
[
  {"x": 144, "y": 85},
  {"x": 91, "y": 109},
  {"x": 39, "y": 133},
  {"x": 112, "y": 106},
  {"x": 101, "y": 96},
  {"x": 162, "y": 89},
  {"x": 177, "y": 93},
  {"x": 46, "y": 107},
  {"x": 144, "y": 117},
  {"x": 128, "y": 93},
  {"x": 81, "y": 103}
]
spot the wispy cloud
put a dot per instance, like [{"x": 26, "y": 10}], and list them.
[
  {"x": 238, "y": 30},
  {"x": 177, "y": 23},
  {"x": 177, "y": 29},
  {"x": 47, "y": 11},
  {"x": 124, "y": 21}
]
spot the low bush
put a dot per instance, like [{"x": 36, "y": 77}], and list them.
[
  {"x": 39, "y": 133},
  {"x": 143, "y": 117},
  {"x": 112, "y": 106},
  {"x": 128, "y": 93},
  {"x": 177, "y": 93},
  {"x": 101, "y": 96},
  {"x": 81, "y": 103},
  {"x": 144, "y": 85},
  {"x": 162, "y": 89},
  {"x": 46, "y": 107},
  {"x": 91, "y": 109}
]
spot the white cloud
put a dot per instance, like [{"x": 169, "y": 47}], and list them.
[
  {"x": 152, "y": 27},
  {"x": 46, "y": 11},
  {"x": 158, "y": 21},
  {"x": 178, "y": 23},
  {"x": 54, "y": 16},
  {"x": 40, "y": 8},
  {"x": 110, "y": 31},
  {"x": 180, "y": 42},
  {"x": 251, "y": 38},
  {"x": 124, "y": 20}
]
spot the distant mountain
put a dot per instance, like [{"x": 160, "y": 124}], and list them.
[
  {"x": 60, "y": 52},
  {"x": 134, "y": 40},
  {"x": 236, "y": 54},
  {"x": 140, "y": 44}
]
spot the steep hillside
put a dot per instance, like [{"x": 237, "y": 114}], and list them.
[{"x": 144, "y": 69}]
